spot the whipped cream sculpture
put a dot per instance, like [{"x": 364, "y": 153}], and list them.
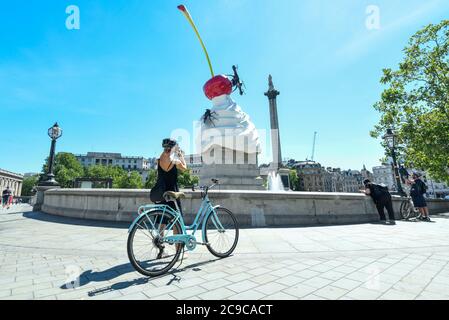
[
  {"x": 225, "y": 126},
  {"x": 228, "y": 139}
]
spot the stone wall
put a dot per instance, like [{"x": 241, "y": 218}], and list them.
[{"x": 252, "y": 208}]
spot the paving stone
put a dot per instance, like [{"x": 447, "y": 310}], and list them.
[
  {"x": 217, "y": 294},
  {"x": 279, "y": 296},
  {"x": 259, "y": 271},
  {"x": 247, "y": 295},
  {"x": 239, "y": 277},
  {"x": 265, "y": 278},
  {"x": 188, "y": 292},
  {"x": 300, "y": 290},
  {"x": 270, "y": 288},
  {"x": 394, "y": 294},
  {"x": 290, "y": 280},
  {"x": 347, "y": 284},
  {"x": 338, "y": 262},
  {"x": 242, "y": 286},
  {"x": 317, "y": 282},
  {"x": 331, "y": 292},
  {"x": 363, "y": 294}
]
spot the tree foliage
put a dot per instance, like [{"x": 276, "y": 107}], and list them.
[
  {"x": 121, "y": 179},
  {"x": 416, "y": 102},
  {"x": 151, "y": 180},
  {"x": 66, "y": 169},
  {"x": 294, "y": 180},
  {"x": 186, "y": 180},
  {"x": 28, "y": 184}
]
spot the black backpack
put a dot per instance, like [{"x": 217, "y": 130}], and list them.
[
  {"x": 423, "y": 187},
  {"x": 379, "y": 191}
]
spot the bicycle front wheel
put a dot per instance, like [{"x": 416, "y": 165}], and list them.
[
  {"x": 221, "y": 232},
  {"x": 148, "y": 254}
]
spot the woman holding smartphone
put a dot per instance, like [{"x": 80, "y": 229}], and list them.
[{"x": 168, "y": 164}]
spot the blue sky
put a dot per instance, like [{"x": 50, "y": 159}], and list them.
[{"x": 135, "y": 71}]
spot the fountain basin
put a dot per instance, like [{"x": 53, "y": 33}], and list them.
[{"x": 252, "y": 208}]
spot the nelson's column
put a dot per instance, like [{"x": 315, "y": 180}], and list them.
[{"x": 276, "y": 165}]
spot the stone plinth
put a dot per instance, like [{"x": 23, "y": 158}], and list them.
[{"x": 235, "y": 170}]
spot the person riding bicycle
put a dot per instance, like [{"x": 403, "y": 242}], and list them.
[
  {"x": 168, "y": 164},
  {"x": 381, "y": 198}
]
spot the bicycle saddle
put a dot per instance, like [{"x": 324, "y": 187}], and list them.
[{"x": 171, "y": 195}]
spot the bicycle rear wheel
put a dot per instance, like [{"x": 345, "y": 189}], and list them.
[
  {"x": 146, "y": 251},
  {"x": 223, "y": 239}
]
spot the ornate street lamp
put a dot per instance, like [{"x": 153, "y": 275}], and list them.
[
  {"x": 54, "y": 133},
  {"x": 390, "y": 140}
]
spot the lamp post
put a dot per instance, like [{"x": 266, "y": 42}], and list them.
[
  {"x": 390, "y": 139},
  {"x": 54, "y": 133}
]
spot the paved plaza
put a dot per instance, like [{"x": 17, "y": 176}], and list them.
[{"x": 40, "y": 254}]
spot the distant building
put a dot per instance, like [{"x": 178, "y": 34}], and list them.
[
  {"x": 12, "y": 180},
  {"x": 384, "y": 175},
  {"x": 139, "y": 164},
  {"x": 336, "y": 179},
  {"x": 435, "y": 189},
  {"x": 31, "y": 174},
  {"x": 313, "y": 177},
  {"x": 194, "y": 163},
  {"x": 352, "y": 181}
]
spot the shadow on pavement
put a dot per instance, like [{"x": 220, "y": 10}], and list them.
[
  {"x": 114, "y": 272},
  {"x": 75, "y": 221}
]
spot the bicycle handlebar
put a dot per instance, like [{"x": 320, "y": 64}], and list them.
[{"x": 205, "y": 188}]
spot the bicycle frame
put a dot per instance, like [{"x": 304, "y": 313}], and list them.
[{"x": 189, "y": 240}]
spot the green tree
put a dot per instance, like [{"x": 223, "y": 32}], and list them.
[
  {"x": 133, "y": 180},
  {"x": 294, "y": 180},
  {"x": 186, "y": 180},
  {"x": 28, "y": 184},
  {"x": 66, "y": 169},
  {"x": 119, "y": 176},
  {"x": 416, "y": 102},
  {"x": 151, "y": 180}
]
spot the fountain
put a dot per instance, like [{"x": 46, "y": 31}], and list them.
[{"x": 275, "y": 182}]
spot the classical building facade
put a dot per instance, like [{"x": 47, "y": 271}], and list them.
[
  {"x": 352, "y": 181},
  {"x": 139, "y": 164},
  {"x": 313, "y": 177},
  {"x": 336, "y": 179},
  {"x": 12, "y": 180}
]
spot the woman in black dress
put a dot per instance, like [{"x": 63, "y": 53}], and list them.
[
  {"x": 167, "y": 169},
  {"x": 167, "y": 178}
]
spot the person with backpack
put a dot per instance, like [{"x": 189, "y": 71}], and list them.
[
  {"x": 417, "y": 191},
  {"x": 382, "y": 199}
]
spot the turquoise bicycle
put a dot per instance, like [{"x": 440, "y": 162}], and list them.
[{"x": 158, "y": 236}]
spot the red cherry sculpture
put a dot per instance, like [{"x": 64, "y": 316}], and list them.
[{"x": 217, "y": 86}]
